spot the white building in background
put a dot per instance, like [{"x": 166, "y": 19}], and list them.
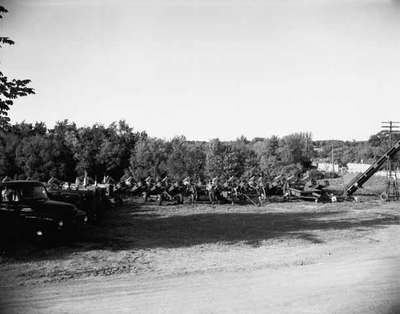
[
  {"x": 351, "y": 168},
  {"x": 358, "y": 168},
  {"x": 327, "y": 166}
]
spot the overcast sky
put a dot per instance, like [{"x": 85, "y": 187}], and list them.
[{"x": 209, "y": 69}]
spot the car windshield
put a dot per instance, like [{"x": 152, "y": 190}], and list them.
[
  {"x": 23, "y": 192},
  {"x": 33, "y": 192}
]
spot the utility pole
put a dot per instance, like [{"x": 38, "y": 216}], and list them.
[
  {"x": 390, "y": 127},
  {"x": 306, "y": 147},
  {"x": 333, "y": 160}
]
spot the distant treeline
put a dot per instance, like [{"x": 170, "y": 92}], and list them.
[
  {"x": 345, "y": 152},
  {"x": 67, "y": 151}
]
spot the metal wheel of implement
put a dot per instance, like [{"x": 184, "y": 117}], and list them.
[{"x": 384, "y": 197}]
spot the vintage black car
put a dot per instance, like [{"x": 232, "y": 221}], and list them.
[{"x": 26, "y": 210}]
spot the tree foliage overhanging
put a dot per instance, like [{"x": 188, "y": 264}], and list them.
[{"x": 10, "y": 89}]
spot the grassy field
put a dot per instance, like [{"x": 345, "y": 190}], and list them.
[
  {"x": 177, "y": 240},
  {"x": 373, "y": 187}
]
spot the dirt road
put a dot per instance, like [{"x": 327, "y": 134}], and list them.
[
  {"x": 367, "y": 284},
  {"x": 286, "y": 258}
]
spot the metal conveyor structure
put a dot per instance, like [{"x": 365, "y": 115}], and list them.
[{"x": 360, "y": 179}]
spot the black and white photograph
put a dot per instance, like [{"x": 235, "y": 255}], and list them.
[{"x": 200, "y": 156}]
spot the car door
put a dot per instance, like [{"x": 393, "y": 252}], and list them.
[{"x": 10, "y": 222}]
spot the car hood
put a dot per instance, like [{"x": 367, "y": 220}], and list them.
[{"x": 53, "y": 208}]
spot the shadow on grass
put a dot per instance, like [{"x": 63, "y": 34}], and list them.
[{"x": 146, "y": 228}]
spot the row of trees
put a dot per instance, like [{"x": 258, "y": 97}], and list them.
[{"x": 66, "y": 151}]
